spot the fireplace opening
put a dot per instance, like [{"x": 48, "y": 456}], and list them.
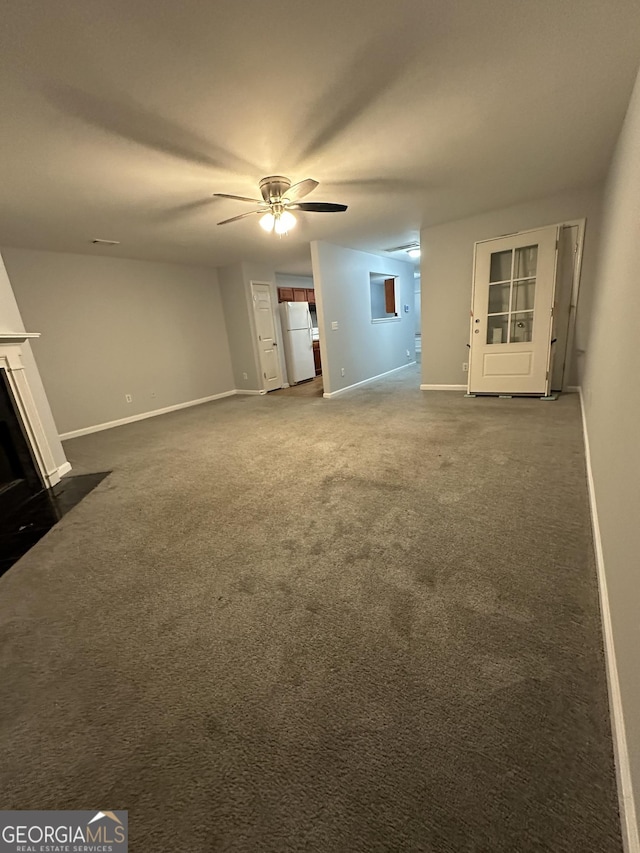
[
  {"x": 28, "y": 509},
  {"x": 19, "y": 478}
]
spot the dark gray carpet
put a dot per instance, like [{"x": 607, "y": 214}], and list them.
[{"x": 293, "y": 624}]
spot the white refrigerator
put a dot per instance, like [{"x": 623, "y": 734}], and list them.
[{"x": 298, "y": 341}]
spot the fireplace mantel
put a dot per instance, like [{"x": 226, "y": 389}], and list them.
[
  {"x": 11, "y": 347},
  {"x": 17, "y": 337}
]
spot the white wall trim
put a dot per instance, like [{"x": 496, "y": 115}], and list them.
[
  {"x": 328, "y": 396},
  {"x": 572, "y": 389},
  {"x": 626, "y": 800},
  {"x": 143, "y": 415},
  {"x": 64, "y": 469},
  {"x": 242, "y": 391},
  {"x": 443, "y": 387}
]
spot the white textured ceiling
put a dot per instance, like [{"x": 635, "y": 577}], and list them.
[{"x": 121, "y": 118}]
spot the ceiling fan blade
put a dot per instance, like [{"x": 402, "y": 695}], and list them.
[
  {"x": 239, "y": 198},
  {"x": 301, "y": 189},
  {"x": 318, "y": 207},
  {"x": 241, "y": 216}
]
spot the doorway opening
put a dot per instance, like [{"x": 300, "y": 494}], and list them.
[{"x": 300, "y": 328}]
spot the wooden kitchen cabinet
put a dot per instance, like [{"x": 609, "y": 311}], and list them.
[
  {"x": 296, "y": 294},
  {"x": 390, "y": 296},
  {"x": 316, "y": 357}
]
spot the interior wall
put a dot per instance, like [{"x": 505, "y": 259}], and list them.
[
  {"x": 611, "y": 396},
  {"x": 447, "y": 268},
  {"x": 113, "y": 327},
  {"x": 11, "y": 321},
  {"x": 364, "y": 349},
  {"x": 244, "y": 357}
]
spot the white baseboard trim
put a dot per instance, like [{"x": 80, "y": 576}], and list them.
[
  {"x": 64, "y": 469},
  {"x": 443, "y": 387},
  {"x": 144, "y": 415},
  {"x": 331, "y": 394},
  {"x": 242, "y": 391},
  {"x": 630, "y": 837},
  {"x": 572, "y": 389}
]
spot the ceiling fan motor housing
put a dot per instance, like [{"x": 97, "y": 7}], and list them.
[{"x": 274, "y": 188}]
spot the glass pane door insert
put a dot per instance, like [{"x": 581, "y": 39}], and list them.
[{"x": 512, "y": 282}]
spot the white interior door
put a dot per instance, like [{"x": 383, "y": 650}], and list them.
[
  {"x": 511, "y": 314},
  {"x": 266, "y": 332}
]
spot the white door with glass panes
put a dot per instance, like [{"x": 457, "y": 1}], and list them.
[{"x": 511, "y": 313}]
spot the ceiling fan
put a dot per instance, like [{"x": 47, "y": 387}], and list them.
[{"x": 279, "y": 198}]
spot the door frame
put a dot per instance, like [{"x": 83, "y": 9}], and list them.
[
  {"x": 581, "y": 224},
  {"x": 575, "y": 289}
]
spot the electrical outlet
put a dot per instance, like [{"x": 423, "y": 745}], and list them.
[
  {"x": 465, "y": 366},
  {"x": 245, "y": 375},
  {"x": 128, "y": 398},
  {"x": 334, "y": 325},
  {"x": 342, "y": 371}
]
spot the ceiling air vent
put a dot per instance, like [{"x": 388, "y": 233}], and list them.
[{"x": 405, "y": 247}]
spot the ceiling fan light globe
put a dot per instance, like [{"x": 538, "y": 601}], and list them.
[
  {"x": 285, "y": 222},
  {"x": 267, "y": 222}
]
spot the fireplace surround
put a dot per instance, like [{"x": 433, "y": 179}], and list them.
[{"x": 11, "y": 349}]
